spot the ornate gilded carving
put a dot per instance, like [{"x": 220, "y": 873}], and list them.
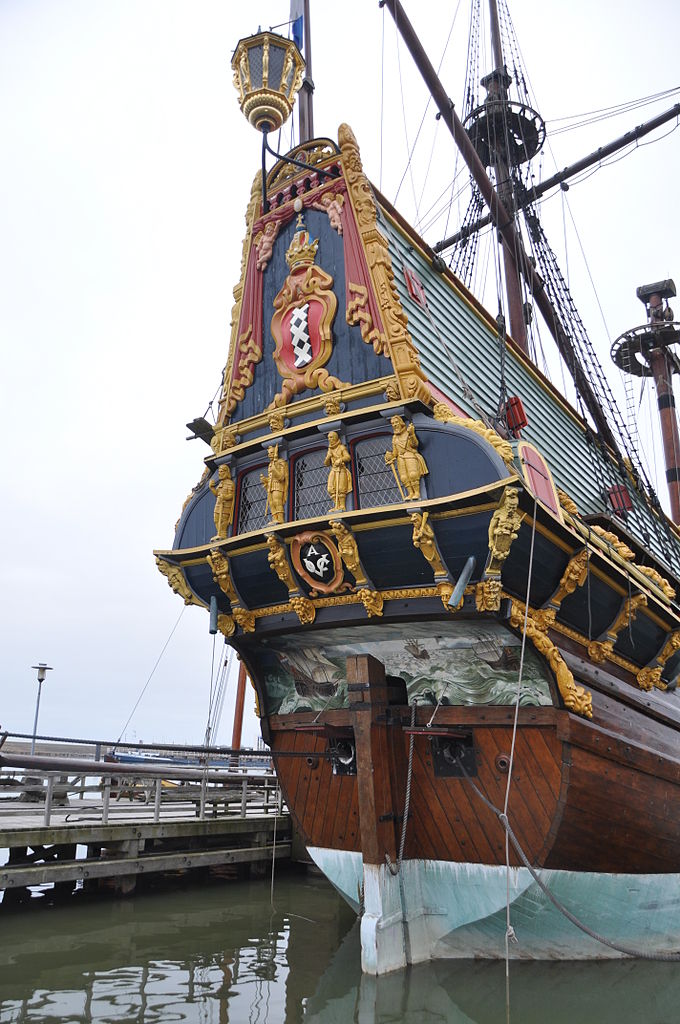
[
  {"x": 349, "y": 552},
  {"x": 626, "y": 615},
  {"x": 275, "y": 482},
  {"x": 276, "y": 556},
  {"x": 372, "y": 601},
  {"x": 358, "y": 312},
  {"x": 226, "y": 625},
  {"x": 599, "y": 651},
  {"x": 277, "y": 421},
  {"x": 239, "y": 351},
  {"x": 445, "y": 589},
  {"x": 304, "y": 342},
  {"x": 650, "y": 675},
  {"x": 567, "y": 504},
  {"x": 331, "y": 203},
  {"x": 503, "y": 447},
  {"x": 339, "y": 477},
  {"x": 317, "y": 561},
  {"x": 647, "y": 678},
  {"x": 264, "y": 243},
  {"x": 250, "y": 355},
  {"x": 404, "y": 455},
  {"x": 603, "y": 649},
  {"x": 332, "y": 405},
  {"x": 304, "y": 609},
  {"x": 392, "y": 393},
  {"x": 219, "y": 564},
  {"x": 412, "y": 381},
  {"x": 503, "y": 530},
  {"x": 424, "y": 540},
  {"x": 664, "y": 586},
  {"x": 224, "y": 439},
  {"x": 245, "y": 619},
  {"x": 671, "y": 647},
  {"x": 177, "y": 581},
  {"x": 574, "y": 576},
  {"x": 224, "y": 490},
  {"x": 312, "y": 153},
  {"x": 576, "y": 698},
  {"x": 611, "y": 538},
  {"x": 488, "y": 595}
]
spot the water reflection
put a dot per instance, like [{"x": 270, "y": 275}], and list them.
[{"x": 221, "y": 954}]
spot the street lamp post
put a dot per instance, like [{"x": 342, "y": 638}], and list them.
[{"x": 42, "y": 670}]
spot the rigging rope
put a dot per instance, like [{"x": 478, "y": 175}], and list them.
[
  {"x": 509, "y": 930},
  {"x": 151, "y": 675}
]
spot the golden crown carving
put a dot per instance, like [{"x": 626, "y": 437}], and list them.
[{"x": 302, "y": 249}]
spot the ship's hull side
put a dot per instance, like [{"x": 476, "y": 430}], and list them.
[{"x": 589, "y": 809}]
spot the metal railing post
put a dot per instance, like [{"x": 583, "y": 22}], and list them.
[
  {"x": 105, "y": 800},
  {"x": 244, "y": 796},
  {"x": 48, "y": 799},
  {"x": 202, "y": 804},
  {"x": 157, "y": 801}
]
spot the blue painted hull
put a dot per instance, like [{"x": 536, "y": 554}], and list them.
[{"x": 437, "y": 909}]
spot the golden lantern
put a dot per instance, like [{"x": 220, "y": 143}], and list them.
[{"x": 267, "y": 75}]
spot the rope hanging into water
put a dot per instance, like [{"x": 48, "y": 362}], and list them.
[
  {"x": 509, "y": 930},
  {"x": 626, "y": 950},
  {"x": 395, "y": 868}
]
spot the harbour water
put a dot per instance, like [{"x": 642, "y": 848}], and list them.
[{"x": 221, "y": 952}]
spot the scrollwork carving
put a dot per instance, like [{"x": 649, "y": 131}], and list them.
[
  {"x": 503, "y": 447},
  {"x": 576, "y": 698}
]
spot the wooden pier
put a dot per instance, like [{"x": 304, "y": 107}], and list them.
[{"x": 80, "y": 822}]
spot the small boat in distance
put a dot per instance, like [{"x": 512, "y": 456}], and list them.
[{"x": 455, "y": 594}]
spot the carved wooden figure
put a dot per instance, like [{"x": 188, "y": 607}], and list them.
[
  {"x": 339, "y": 478},
  {"x": 224, "y": 490},
  {"x": 404, "y": 454},
  {"x": 276, "y": 484}
]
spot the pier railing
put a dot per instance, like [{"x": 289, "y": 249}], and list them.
[{"x": 55, "y": 786}]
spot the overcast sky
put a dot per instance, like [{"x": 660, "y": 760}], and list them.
[{"x": 126, "y": 170}]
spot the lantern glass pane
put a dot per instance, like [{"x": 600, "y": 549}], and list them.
[
  {"x": 255, "y": 64},
  {"x": 277, "y": 55}
]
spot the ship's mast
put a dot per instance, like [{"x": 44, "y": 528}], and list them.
[
  {"x": 648, "y": 351},
  {"x": 306, "y": 97},
  {"x": 497, "y": 84},
  {"x": 504, "y": 223}
]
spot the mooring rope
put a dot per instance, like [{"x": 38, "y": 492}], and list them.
[
  {"x": 395, "y": 868},
  {"x": 271, "y": 891},
  {"x": 626, "y": 950}
]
